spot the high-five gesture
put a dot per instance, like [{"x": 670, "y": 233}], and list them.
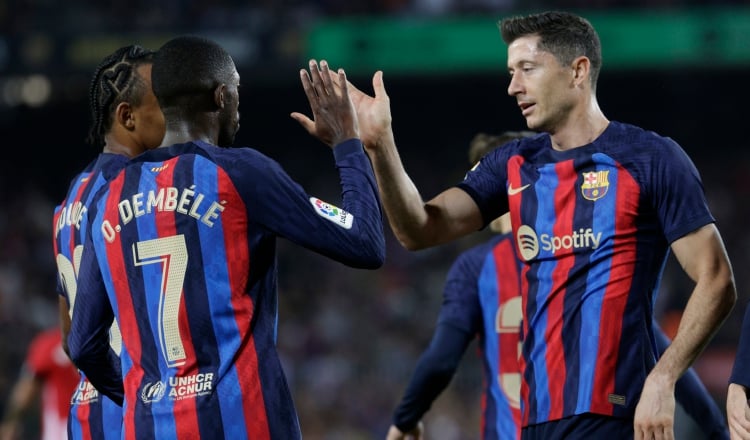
[
  {"x": 333, "y": 117},
  {"x": 374, "y": 113}
]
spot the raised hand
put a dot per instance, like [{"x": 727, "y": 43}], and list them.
[
  {"x": 374, "y": 113},
  {"x": 334, "y": 119}
]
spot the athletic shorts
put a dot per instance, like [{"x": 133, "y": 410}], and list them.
[{"x": 581, "y": 427}]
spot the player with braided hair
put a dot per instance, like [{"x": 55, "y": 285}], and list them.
[
  {"x": 124, "y": 77},
  {"x": 126, "y": 121}
]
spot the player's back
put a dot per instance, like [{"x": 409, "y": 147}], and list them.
[
  {"x": 193, "y": 228},
  {"x": 91, "y": 414}
]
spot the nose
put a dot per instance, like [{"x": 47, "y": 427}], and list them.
[{"x": 514, "y": 87}]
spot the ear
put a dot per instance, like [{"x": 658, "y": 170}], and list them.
[
  {"x": 581, "y": 69},
  {"x": 124, "y": 116},
  {"x": 219, "y": 95}
]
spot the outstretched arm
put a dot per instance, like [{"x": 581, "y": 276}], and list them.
[
  {"x": 354, "y": 234},
  {"x": 416, "y": 224},
  {"x": 703, "y": 257},
  {"x": 433, "y": 373}
]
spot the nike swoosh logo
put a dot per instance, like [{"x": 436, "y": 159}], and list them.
[{"x": 513, "y": 191}]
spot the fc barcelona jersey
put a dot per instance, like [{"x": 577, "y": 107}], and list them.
[
  {"x": 92, "y": 415},
  {"x": 182, "y": 250},
  {"x": 593, "y": 225},
  {"x": 482, "y": 296}
]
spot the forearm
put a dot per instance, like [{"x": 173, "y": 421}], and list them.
[
  {"x": 64, "y": 323},
  {"x": 365, "y": 240},
  {"x": 433, "y": 373},
  {"x": 401, "y": 199},
  {"x": 708, "y": 307},
  {"x": 103, "y": 371},
  {"x": 88, "y": 342}
]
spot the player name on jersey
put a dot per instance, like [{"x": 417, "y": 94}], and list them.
[
  {"x": 168, "y": 199},
  {"x": 71, "y": 215}
]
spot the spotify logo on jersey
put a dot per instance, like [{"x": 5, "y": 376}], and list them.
[{"x": 528, "y": 243}]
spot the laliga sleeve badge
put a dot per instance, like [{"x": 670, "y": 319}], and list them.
[{"x": 332, "y": 213}]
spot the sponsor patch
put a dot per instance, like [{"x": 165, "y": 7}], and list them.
[
  {"x": 84, "y": 394},
  {"x": 153, "y": 391},
  {"x": 332, "y": 213},
  {"x": 185, "y": 387},
  {"x": 179, "y": 388},
  {"x": 616, "y": 399}
]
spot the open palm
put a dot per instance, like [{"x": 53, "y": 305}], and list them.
[{"x": 374, "y": 113}]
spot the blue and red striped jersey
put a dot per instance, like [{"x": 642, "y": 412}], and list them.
[
  {"x": 593, "y": 225},
  {"x": 92, "y": 415},
  {"x": 182, "y": 250},
  {"x": 482, "y": 296}
]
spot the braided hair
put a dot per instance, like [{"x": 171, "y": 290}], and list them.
[{"x": 115, "y": 80}]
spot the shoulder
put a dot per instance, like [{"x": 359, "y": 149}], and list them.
[
  {"x": 108, "y": 165},
  {"x": 644, "y": 152},
  {"x": 232, "y": 157},
  {"x": 631, "y": 138},
  {"x": 473, "y": 258},
  {"x": 197, "y": 151},
  {"x": 523, "y": 146}
]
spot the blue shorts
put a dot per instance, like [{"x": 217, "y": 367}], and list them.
[{"x": 581, "y": 427}]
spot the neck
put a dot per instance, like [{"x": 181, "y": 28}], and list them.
[
  {"x": 580, "y": 129},
  {"x": 114, "y": 146},
  {"x": 180, "y": 131}
]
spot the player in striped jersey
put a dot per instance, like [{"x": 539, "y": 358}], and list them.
[
  {"x": 482, "y": 299},
  {"x": 126, "y": 120},
  {"x": 182, "y": 251},
  {"x": 596, "y": 206}
]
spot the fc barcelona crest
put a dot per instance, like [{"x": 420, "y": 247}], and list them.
[{"x": 595, "y": 185}]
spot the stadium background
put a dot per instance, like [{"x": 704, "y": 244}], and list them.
[{"x": 350, "y": 338}]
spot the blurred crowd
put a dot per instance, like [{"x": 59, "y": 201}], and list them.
[{"x": 90, "y": 15}]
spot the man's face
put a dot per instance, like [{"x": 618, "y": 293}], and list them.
[
  {"x": 230, "y": 115},
  {"x": 543, "y": 88},
  {"x": 149, "y": 118}
]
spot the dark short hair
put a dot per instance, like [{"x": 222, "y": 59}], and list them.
[
  {"x": 115, "y": 80},
  {"x": 483, "y": 143},
  {"x": 186, "y": 71},
  {"x": 563, "y": 34}
]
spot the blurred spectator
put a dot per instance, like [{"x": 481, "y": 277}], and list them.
[{"x": 47, "y": 380}]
